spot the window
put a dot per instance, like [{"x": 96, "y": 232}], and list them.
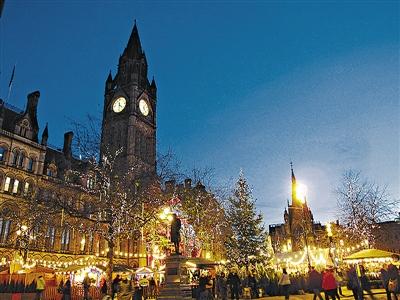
[
  {"x": 2, "y": 153},
  {"x": 30, "y": 164},
  {"x": 15, "y": 157},
  {"x": 65, "y": 238},
  {"x": 4, "y": 230},
  {"x": 26, "y": 188},
  {"x": 49, "y": 172},
  {"x": 15, "y": 186},
  {"x": 7, "y": 184},
  {"x": 21, "y": 159},
  {"x": 90, "y": 182},
  {"x": 50, "y": 237}
]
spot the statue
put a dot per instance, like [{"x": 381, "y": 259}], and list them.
[{"x": 175, "y": 232}]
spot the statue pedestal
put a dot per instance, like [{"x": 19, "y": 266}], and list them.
[{"x": 176, "y": 285}]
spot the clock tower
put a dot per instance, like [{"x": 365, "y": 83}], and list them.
[{"x": 129, "y": 112}]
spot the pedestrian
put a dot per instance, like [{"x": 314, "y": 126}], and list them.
[
  {"x": 284, "y": 282},
  {"x": 353, "y": 284},
  {"x": 86, "y": 286},
  {"x": 152, "y": 287},
  {"x": 365, "y": 283},
  {"x": 394, "y": 278},
  {"x": 329, "y": 284},
  {"x": 252, "y": 283},
  {"x": 339, "y": 281},
  {"x": 315, "y": 283},
  {"x": 125, "y": 290},
  {"x": 222, "y": 287},
  {"x": 234, "y": 283},
  {"x": 103, "y": 288},
  {"x": 40, "y": 286},
  {"x": 66, "y": 290},
  {"x": 115, "y": 287}
]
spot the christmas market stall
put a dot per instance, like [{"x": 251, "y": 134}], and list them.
[
  {"x": 299, "y": 261},
  {"x": 372, "y": 260}
]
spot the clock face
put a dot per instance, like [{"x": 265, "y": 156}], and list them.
[
  {"x": 144, "y": 107},
  {"x": 119, "y": 104}
]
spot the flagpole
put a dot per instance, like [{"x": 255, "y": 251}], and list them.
[{"x": 11, "y": 83}]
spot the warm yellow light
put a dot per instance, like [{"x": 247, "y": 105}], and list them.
[
  {"x": 24, "y": 227},
  {"x": 18, "y": 232},
  {"x": 163, "y": 216},
  {"x": 167, "y": 211},
  {"x": 170, "y": 218},
  {"x": 301, "y": 192}
]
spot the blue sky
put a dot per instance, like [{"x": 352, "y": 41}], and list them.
[{"x": 241, "y": 84}]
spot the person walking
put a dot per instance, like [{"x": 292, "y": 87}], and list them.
[
  {"x": 315, "y": 283},
  {"x": 115, "y": 287},
  {"x": 66, "y": 291},
  {"x": 353, "y": 284},
  {"x": 329, "y": 284},
  {"x": 40, "y": 286},
  {"x": 86, "y": 286},
  {"x": 393, "y": 279},
  {"x": 125, "y": 291},
  {"x": 365, "y": 284},
  {"x": 234, "y": 284},
  {"x": 222, "y": 287},
  {"x": 284, "y": 282}
]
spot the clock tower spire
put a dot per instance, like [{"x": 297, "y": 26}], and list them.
[{"x": 129, "y": 112}]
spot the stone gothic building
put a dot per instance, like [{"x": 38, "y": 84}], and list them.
[
  {"x": 28, "y": 165},
  {"x": 299, "y": 228}
]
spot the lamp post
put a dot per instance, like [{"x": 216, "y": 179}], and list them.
[{"x": 301, "y": 192}]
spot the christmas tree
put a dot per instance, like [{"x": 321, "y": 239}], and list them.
[{"x": 248, "y": 235}]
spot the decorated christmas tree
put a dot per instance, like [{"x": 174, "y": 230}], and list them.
[{"x": 248, "y": 235}]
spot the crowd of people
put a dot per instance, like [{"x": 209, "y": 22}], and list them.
[{"x": 326, "y": 284}]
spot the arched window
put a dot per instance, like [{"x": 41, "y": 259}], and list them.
[
  {"x": 15, "y": 156},
  {"x": 24, "y": 128},
  {"x": 3, "y": 151},
  {"x": 31, "y": 162},
  {"x": 51, "y": 170},
  {"x": 65, "y": 239},
  {"x": 15, "y": 186},
  {"x": 50, "y": 237},
  {"x": 21, "y": 159},
  {"x": 5, "y": 225},
  {"x": 7, "y": 184}
]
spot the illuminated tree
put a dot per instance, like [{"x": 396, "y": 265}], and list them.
[
  {"x": 362, "y": 205},
  {"x": 248, "y": 233}
]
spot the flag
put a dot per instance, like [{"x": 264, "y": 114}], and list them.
[{"x": 12, "y": 77}]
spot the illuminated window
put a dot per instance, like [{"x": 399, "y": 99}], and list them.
[
  {"x": 7, "y": 184},
  {"x": 90, "y": 182},
  {"x": 2, "y": 153},
  {"x": 26, "y": 188},
  {"x": 15, "y": 186}
]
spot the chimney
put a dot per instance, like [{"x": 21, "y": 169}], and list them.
[
  {"x": 33, "y": 100},
  {"x": 67, "y": 144},
  {"x": 170, "y": 186},
  {"x": 188, "y": 183}
]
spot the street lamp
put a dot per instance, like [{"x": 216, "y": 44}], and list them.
[{"x": 23, "y": 241}]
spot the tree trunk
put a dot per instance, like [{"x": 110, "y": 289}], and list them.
[{"x": 110, "y": 256}]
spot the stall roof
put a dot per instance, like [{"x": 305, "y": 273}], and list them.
[{"x": 370, "y": 253}]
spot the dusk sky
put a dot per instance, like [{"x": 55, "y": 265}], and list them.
[{"x": 246, "y": 85}]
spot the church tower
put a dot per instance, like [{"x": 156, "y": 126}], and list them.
[{"x": 129, "y": 112}]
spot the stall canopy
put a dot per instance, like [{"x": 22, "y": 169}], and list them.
[{"x": 370, "y": 255}]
